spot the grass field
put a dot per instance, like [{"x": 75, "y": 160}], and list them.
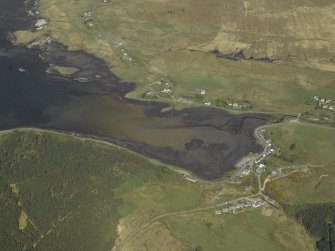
[
  {"x": 314, "y": 148},
  {"x": 312, "y": 145},
  {"x": 166, "y": 197},
  {"x": 146, "y": 40},
  {"x": 258, "y": 229}
]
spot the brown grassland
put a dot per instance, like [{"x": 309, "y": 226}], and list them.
[{"x": 175, "y": 39}]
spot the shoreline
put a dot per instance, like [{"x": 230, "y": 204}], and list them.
[
  {"x": 213, "y": 119},
  {"x": 95, "y": 139},
  {"x": 210, "y": 161}
]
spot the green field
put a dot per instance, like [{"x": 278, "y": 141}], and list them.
[
  {"x": 312, "y": 145},
  {"x": 314, "y": 148},
  {"x": 258, "y": 229}
]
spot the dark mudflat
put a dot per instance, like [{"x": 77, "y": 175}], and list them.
[{"x": 206, "y": 141}]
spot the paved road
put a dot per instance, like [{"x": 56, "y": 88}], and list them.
[{"x": 260, "y": 137}]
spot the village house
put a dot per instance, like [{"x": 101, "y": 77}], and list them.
[
  {"x": 166, "y": 90},
  {"x": 200, "y": 91},
  {"x": 258, "y": 203},
  {"x": 224, "y": 210}
]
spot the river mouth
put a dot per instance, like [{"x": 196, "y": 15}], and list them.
[{"x": 206, "y": 141}]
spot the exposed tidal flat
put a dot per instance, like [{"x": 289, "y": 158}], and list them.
[{"x": 92, "y": 101}]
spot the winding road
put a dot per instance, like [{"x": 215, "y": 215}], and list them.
[
  {"x": 261, "y": 188},
  {"x": 119, "y": 246}
]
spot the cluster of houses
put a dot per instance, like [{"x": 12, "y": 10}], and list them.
[
  {"x": 239, "y": 104},
  {"x": 118, "y": 43},
  {"x": 260, "y": 168},
  {"x": 189, "y": 100},
  {"x": 246, "y": 167},
  {"x": 324, "y": 103},
  {"x": 318, "y": 117},
  {"x": 240, "y": 206},
  {"x": 185, "y": 100},
  {"x": 88, "y": 18},
  {"x": 167, "y": 86},
  {"x": 162, "y": 87},
  {"x": 40, "y": 24},
  {"x": 126, "y": 56},
  {"x": 245, "y": 171},
  {"x": 233, "y": 180},
  {"x": 167, "y": 89},
  {"x": 200, "y": 91},
  {"x": 267, "y": 150},
  {"x": 150, "y": 94},
  {"x": 274, "y": 173},
  {"x": 248, "y": 188}
]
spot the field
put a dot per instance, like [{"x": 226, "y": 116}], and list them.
[
  {"x": 304, "y": 146},
  {"x": 258, "y": 229},
  {"x": 312, "y": 145},
  {"x": 285, "y": 46},
  {"x": 56, "y": 189}
]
